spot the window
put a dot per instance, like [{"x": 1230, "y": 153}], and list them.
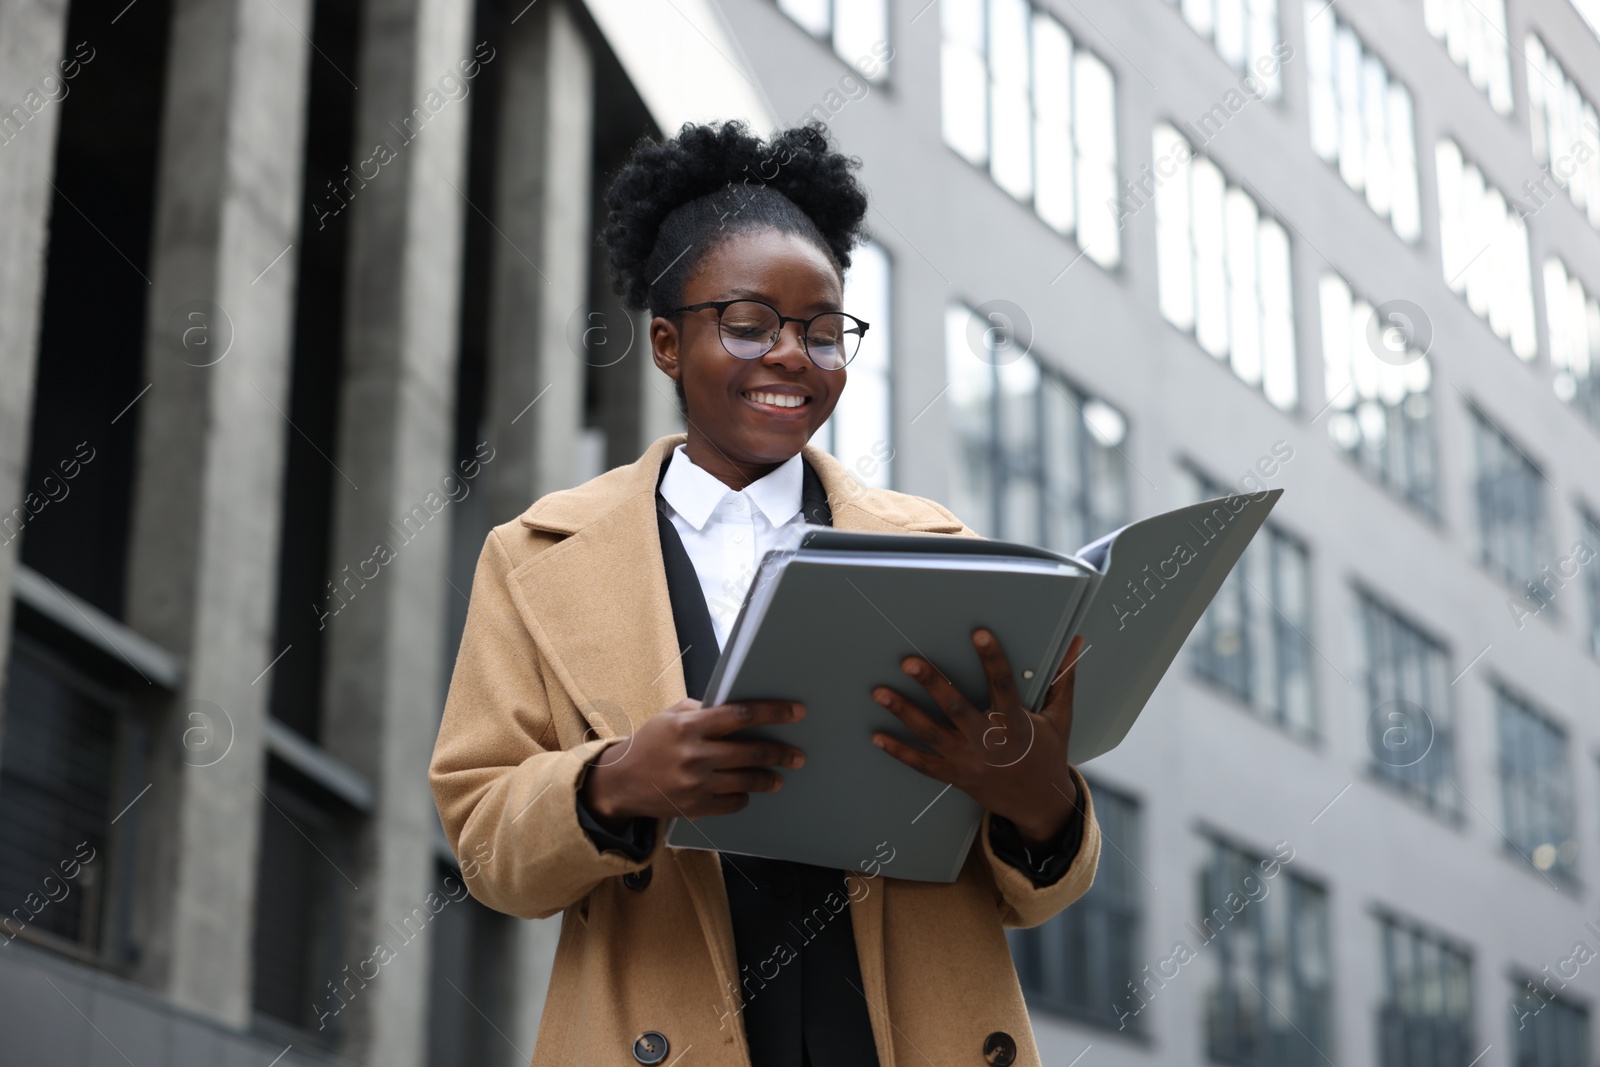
[
  {"x": 1566, "y": 131},
  {"x": 1021, "y": 98},
  {"x": 56, "y": 773},
  {"x": 1425, "y": 1019},
  {"x": 1380, "y": 402},
  {"x": 1550, "y": 1031},
  {"x": 1591, "y": 576},
  {"x": 1267, "y": 937},
  {"x": 857, "y": 29},
  {"x": 1590, "y": 10},
  {"x": 1512, "y": 534},
  {"x": 1361, "y": 119},
  {"x": 1069, "y": 964},
  {"x": 72, "y": 771},
  {"x": 307, "y": 848},
  {"x": 469, "y": 978},
  {"x": 858, "y": 433},
  {"x": 1035, "y": 459},
  {"x": 1573, "y": 317},
  {"x": 1242, "y": 31},
  {"x": 1474, "y": 33},
  {"x": 1251, "y": 641},
  {"x": 1536, "y": 780},
  {"x": 1409, "y": 717},
  {"x": 1223, "y": 270},
  {"x": 1483, "y": 244}
]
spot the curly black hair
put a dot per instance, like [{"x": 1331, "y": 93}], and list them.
[{"x": 674, "y": 201}]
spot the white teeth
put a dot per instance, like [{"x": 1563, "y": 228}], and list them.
[{"x": 782, "y": 400}]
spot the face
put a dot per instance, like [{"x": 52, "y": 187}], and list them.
[{"x": 732, "y": 434}]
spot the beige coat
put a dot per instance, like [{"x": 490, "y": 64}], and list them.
[{"x": 569, "y": 645}]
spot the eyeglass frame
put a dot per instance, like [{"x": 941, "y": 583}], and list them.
[{"x": 783, "y": 320}]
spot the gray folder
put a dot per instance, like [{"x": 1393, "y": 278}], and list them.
[{"x": 828, "y": 621}]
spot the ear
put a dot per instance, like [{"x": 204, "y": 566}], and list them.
[{"x": 664, "y": 347}]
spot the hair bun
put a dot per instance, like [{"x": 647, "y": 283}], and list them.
[{"x": 708, "y": 160}]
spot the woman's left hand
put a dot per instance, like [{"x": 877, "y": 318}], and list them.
[{"x": 1010, "y": 760}]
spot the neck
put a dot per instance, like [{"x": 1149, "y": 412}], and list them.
[{"x": 733, "y": 471}]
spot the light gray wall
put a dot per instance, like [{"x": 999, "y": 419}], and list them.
[{"x": 1195, "y": 756}]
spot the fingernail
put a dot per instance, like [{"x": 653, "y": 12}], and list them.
[
  {"x": 982, "y": 638},
  {"x": 881, "y": 698},
  {"x": 877, "y": 742}
]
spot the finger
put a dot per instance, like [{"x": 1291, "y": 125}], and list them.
[
  {"x": 744, "y": 780},
  {"x": 957, "y": 708},
  {"x": 997, "y": 668},
  {"x": 727, "y": 755},
  {"x": 721, "y": 719},
  {"x": 1058, "y": 702},
  {"x": 930, "y": 733},
  {"x": 724, "y": 804},
  {"x": 917, "y": 760}
]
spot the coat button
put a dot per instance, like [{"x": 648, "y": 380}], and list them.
[
  {"x": 999, "y": 1049},
  {"x": 650, "y": 1047},
  {"x": 638, "y": 880}
]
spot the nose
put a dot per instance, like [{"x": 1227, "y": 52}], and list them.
[{"x": 790, "y": 351}]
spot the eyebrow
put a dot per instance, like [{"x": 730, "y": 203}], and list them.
[{"x": 741, "y": 292}]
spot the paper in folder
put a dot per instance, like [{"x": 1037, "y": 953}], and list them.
[{"x": 827, "y": 621}]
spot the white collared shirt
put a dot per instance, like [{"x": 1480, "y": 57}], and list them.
[{"x": 726, "y": 532}]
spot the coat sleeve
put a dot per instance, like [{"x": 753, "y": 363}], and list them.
[
  {"x": 1022, "y": 903},
  {"x": 507, "y": 793}
]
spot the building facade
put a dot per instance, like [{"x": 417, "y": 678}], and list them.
[{"x": 298, "y": 298}]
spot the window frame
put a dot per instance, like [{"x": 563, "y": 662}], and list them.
[
  {"x": 1301, "y": 888},
  {"x": 1558, "y": 799},
  {"x": 1029, "y": 944},
  {"x": 104, "y": 661},
  {"x": 1077, "y": 155},
  {"x": 1491, "y": 531},
  {"x": 1277, "y": 381},
  {"x": 1272, "y": 539},
  {"x": 1390, "y": 924},
  {"x": 1369, "y": 602},
  {"x": 830, "y": 37},
  {"x": 1418, "y": 485},
  {"x": 1004, "y": 468},
  {"x": 1410, "y": 230}
]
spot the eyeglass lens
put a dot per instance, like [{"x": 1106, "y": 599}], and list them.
[{"x": 751, "y": 329}]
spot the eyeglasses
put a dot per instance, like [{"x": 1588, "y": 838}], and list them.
[{"x": 751, "y": 328}]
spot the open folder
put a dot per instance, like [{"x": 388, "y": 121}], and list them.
[{"x": 826, "y": 622}]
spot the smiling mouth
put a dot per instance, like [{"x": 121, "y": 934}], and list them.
[{"x": 776, "y": 402}]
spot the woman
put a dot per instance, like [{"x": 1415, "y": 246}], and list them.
[{"x": 573, "y": 725}]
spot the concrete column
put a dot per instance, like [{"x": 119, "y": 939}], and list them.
[
  {"x": 384, "y": 659},
  {"x": 203, "y": 549},
  {"x": 540, "y": 268},
  {"x": 31, "y": 33}
]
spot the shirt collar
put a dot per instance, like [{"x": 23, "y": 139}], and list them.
[{"x": 695, "y": 492}]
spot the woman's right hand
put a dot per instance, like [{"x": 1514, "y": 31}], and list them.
[{"x": 681, "y": 762}]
